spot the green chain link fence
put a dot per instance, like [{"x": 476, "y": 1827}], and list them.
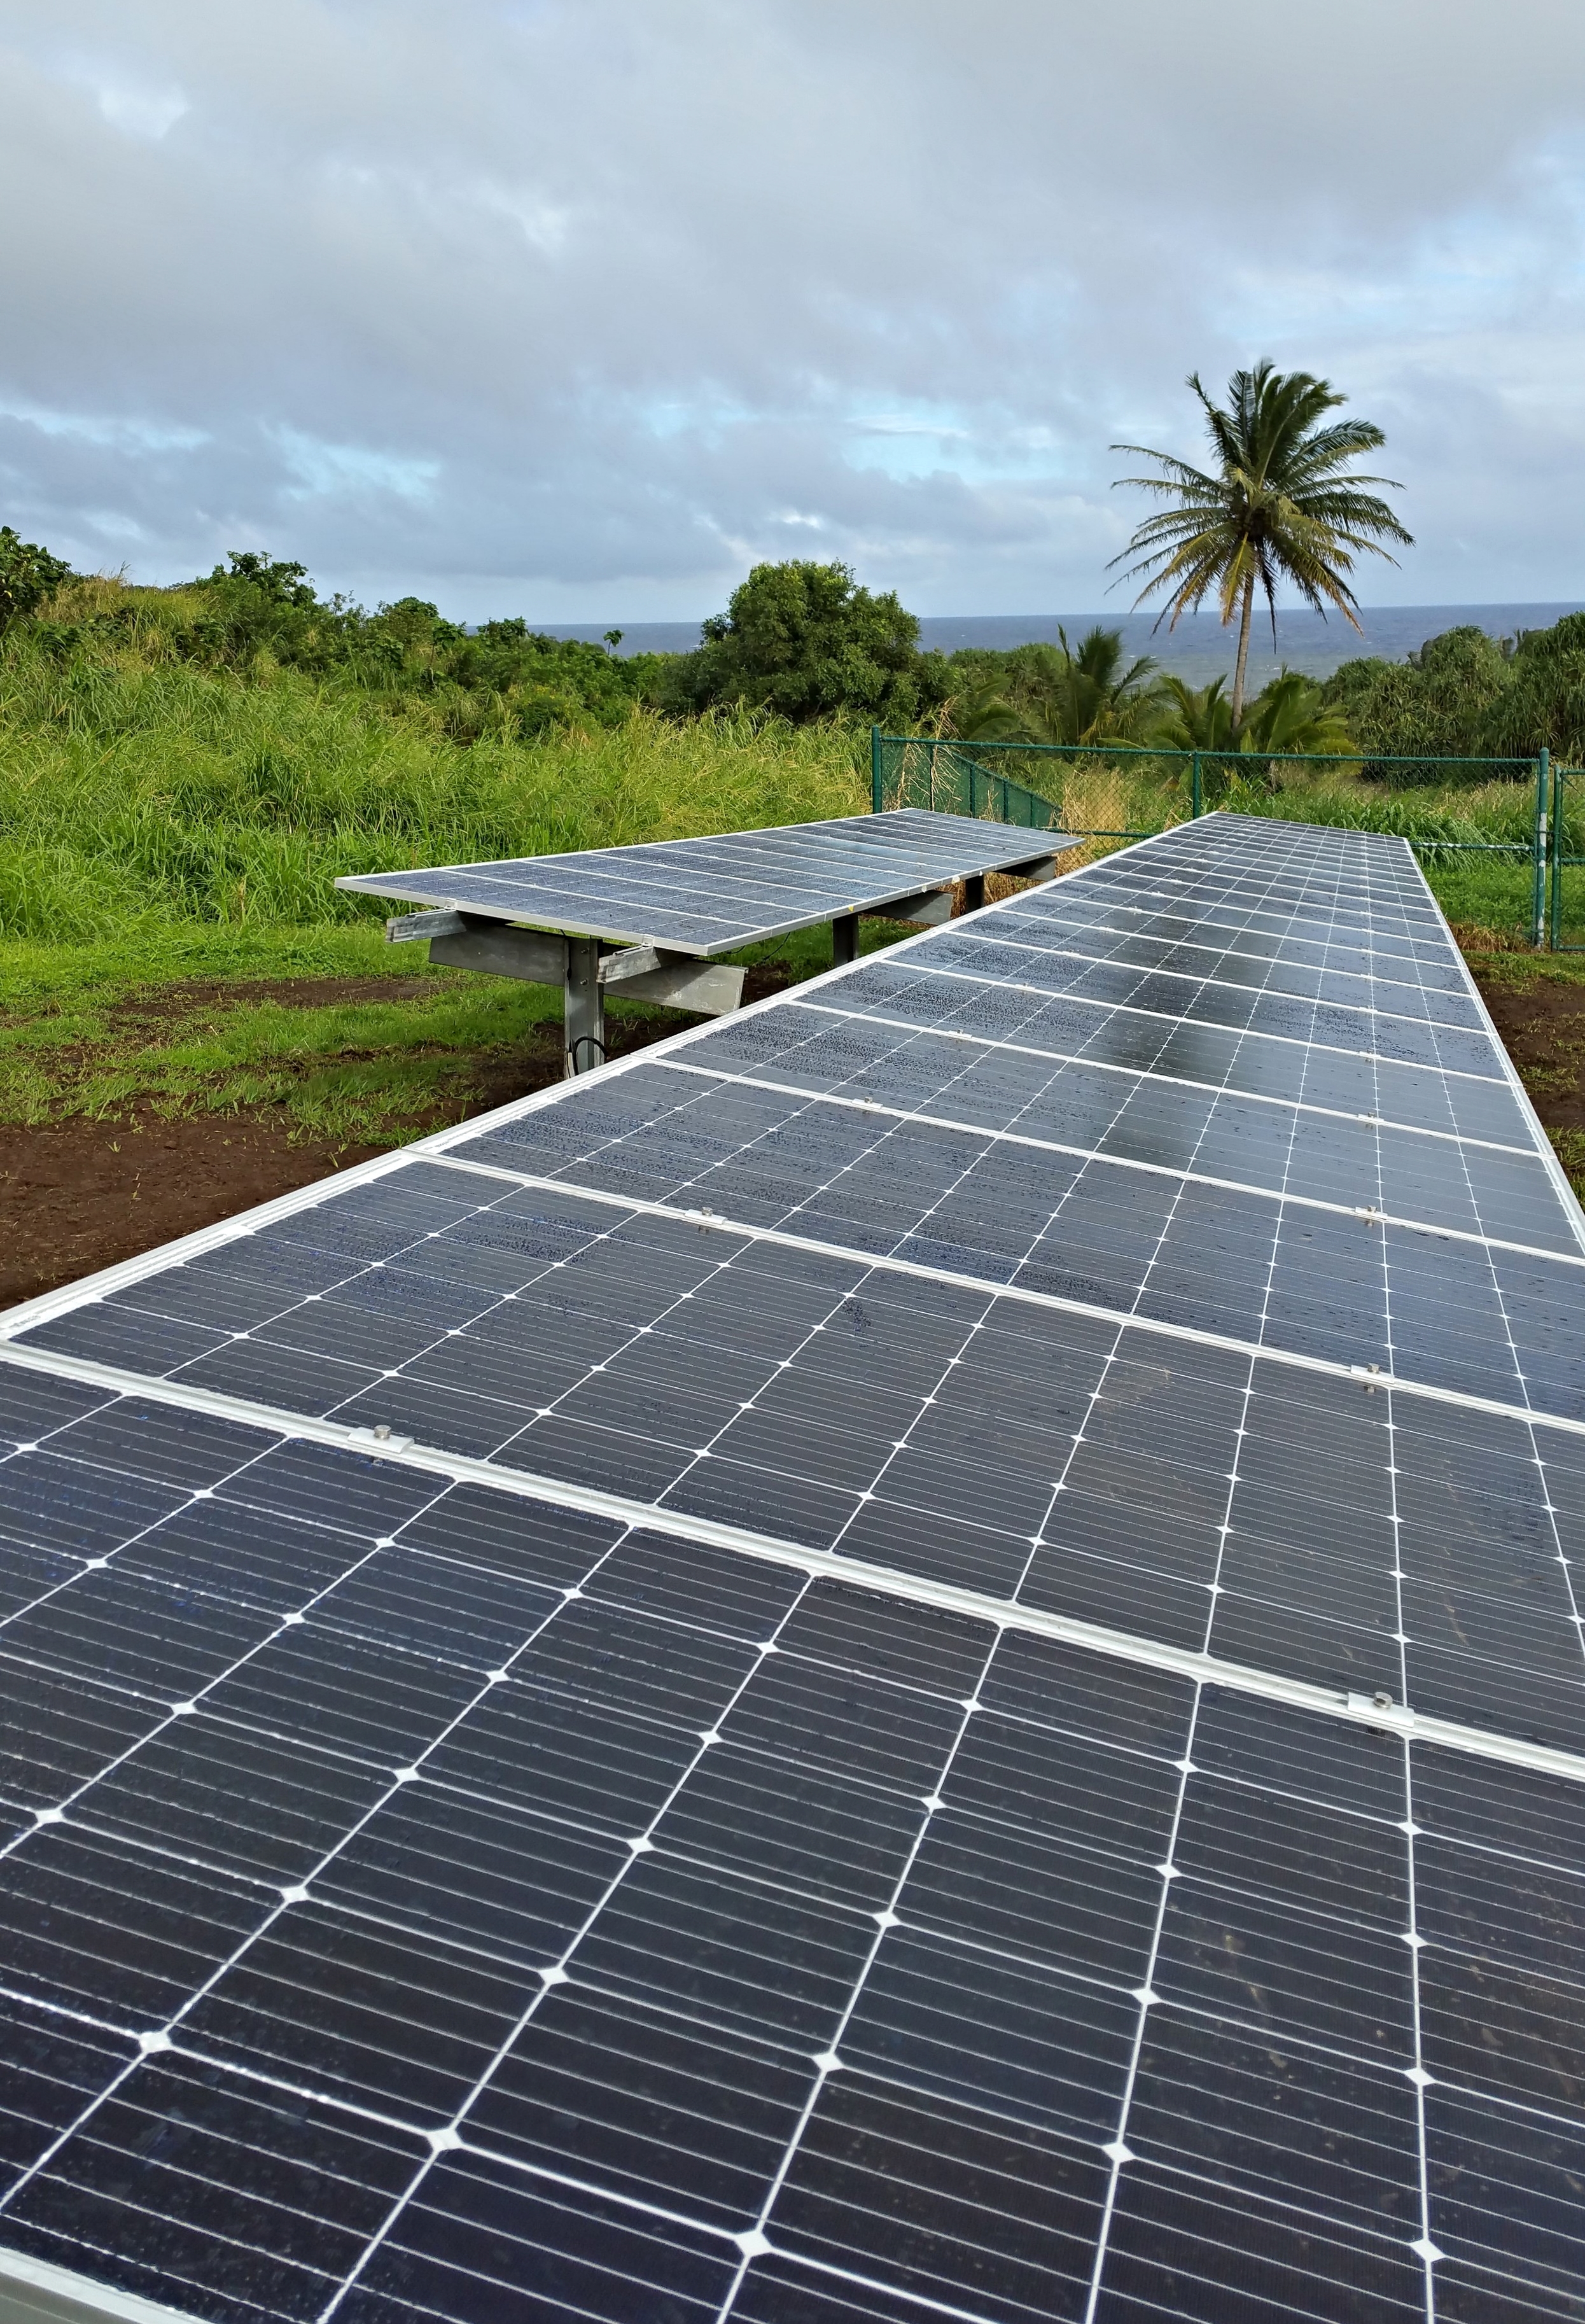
[
  {"x": 1566, "y": 901},
  {"x": 1492, "y": 834}
]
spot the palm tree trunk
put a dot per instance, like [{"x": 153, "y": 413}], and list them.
[{"x": 1238, "y": 700}]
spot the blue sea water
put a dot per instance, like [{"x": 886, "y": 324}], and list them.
[{"x": 1199, "y": 649}]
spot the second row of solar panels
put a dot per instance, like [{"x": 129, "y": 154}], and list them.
[
  {"x": 864, "y": 1044},
  {"x": 1082, "y": 1464},
  {"x": 442, "y": 1897},
  {"x": 715, "y": 895}
]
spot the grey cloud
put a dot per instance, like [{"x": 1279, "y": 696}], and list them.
[{"x": 569, "y": 307}]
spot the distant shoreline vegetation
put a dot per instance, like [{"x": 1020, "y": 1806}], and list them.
[{"x": 799, "y": 642}]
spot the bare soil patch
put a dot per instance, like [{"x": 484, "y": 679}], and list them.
[
  {"x": 1542, "y": 1020},
  {"x": 85, "y": 1193}
]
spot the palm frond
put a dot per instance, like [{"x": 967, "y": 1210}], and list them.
[{"x": 1283, "y": 504}]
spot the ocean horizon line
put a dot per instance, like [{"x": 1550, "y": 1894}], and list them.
[{"x": 1199, "y": 649}]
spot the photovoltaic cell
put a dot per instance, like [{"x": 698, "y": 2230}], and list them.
[
  {"x": 708, "y": 896},
  {"x": 843, "y": 1756}
]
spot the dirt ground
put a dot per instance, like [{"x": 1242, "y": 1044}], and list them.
[
  {"x": 1542, "y": 1020},
  {"x": 81, "y": 1194}
]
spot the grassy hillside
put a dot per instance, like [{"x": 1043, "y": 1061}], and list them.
[
  {"x": 184, "y": 772},
  {"x": 136, "y": 787},
  {"x": 172, "y": 822}
]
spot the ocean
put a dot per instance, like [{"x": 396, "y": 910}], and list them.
[{"x": 1199, "y": 649}]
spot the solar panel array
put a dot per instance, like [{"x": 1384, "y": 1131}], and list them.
[
  {"x": 916, "y": 1658},
  {"x": 711, "y": 896}
]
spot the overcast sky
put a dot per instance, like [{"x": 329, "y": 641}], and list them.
[{"x": 578, "y": 307}]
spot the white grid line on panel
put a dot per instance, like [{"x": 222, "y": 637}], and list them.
[
  {"x": 870, "y": 1016},
  {"x": 887, "y": 1264},
  {"x": 1008, "y": 1137},
  {"x": 884, "y": 1580},
  {"x": 884, "y": 1921}
]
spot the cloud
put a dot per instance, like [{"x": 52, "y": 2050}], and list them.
[{"x": 576, "y": 307}]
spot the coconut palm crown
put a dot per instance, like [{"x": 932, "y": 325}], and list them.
[{"x": 1280, "y": 503}]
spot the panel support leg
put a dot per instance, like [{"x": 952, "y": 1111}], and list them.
[
  {"x": 844, "y": 939},
  {"x": 974, "y": 892},
  {"x": 584, "y": 1006}
]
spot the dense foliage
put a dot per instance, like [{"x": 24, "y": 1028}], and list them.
[
  {"x": 255, "y": 615},
  {"x": 1466, "y": 695},
  {"x": 1055, "y": 694},
  {"x": 801, "y": 644},
  {"x": 805, "y": 640},
  {"x": 28, "y": 576}
]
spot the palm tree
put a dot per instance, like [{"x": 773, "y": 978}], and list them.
[
  {"x": 1198, "y": 718},
  {"x": 1287, "y": 717},
  {"x": 1279, "y": 504},
  {"x": 1052, "y": 693}
]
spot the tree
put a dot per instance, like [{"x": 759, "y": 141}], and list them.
[
  {"x": 805, "y": 640},
  {"x": 1438, "y": 703},
  {"x": 1280, "y": 503},
  {"x": 1543, "y": 701},
  {"x": 1050, "y": 694},
  {"x": 1198, "y": 718},
  {"x": 1290, "y": 716},
  {"x": 28, "y": 576}
]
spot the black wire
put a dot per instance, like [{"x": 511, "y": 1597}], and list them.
[{"x": 587, "y": 1041}]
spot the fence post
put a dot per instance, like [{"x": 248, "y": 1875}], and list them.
[
  {"x": 877, "y": 777},
  {"x": 1538, "y": 858},
  {"x": 1557, "y": 855},
  {"x": 1196, "y": 806}
]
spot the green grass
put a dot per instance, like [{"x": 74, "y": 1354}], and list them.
[
  {"x": 170, "y": 835},
  {"x": 166, "y": 829},
  {"x": 134, "y": 794},
  {"x": 190, "y": 1027}
]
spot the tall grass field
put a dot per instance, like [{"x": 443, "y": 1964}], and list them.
[
  {"x": 138, "y": 794},
  {"x": 164, "y": 825}
]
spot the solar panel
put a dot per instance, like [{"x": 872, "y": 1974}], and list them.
[
  {"x": 918, "y": 1656},
  {"x": 708, "y": 896}
]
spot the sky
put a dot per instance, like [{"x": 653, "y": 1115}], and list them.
[{"x": 578, "y": 308}]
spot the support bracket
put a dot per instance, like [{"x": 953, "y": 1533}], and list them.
[
  {"x": 641, "y": 972},
  {"x": 928, "y": 910},
  {"x": 673, "y": 979},
  {"x": 530, "y": 955}
]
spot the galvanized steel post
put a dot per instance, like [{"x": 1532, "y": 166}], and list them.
[
  {"x": 582, "y": 1007},
  {"x": 877, "y": 777},
  {"x": 1196, "y": 805}
]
